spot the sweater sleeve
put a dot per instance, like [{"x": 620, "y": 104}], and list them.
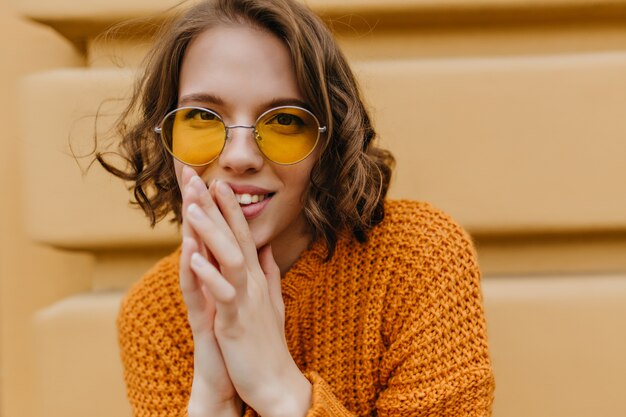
[
  {"x": 436, "y": 362},
  {"x": 323, "y": 401},
  {"x": 156, "y": 346}
]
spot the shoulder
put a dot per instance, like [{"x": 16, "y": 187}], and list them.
[
  {"x": 416, "y": 229},
  {"x": 431, "y": 256},
  {"x": 436, "y": 277},
  {"x": 416, "y": 248},
  {"x": 433, "y": 323},
  {"x": 412, "y": 234}
]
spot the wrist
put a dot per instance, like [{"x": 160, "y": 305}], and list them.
[
  {"x": 204, "y": 408},
  {"x": 291, "y": 400},
  {"x": 211, "y": 397}
]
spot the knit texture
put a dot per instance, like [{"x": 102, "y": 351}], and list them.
[{"x": 390, "y": 327}]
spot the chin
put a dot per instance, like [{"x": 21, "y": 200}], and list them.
[{"x": 260, "y": 237}]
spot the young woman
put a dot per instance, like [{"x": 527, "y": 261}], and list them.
[{"x": 297, "y": 290}]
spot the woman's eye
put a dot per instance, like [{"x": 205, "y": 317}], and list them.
[
  {"x": 197, "y": 114},
  {"x": 286, "y": 119}
]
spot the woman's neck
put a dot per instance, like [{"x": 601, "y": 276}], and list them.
[{"x": 286, "y": 252}]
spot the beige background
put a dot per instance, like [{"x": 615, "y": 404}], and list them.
[{"x": 508, "y": 114}]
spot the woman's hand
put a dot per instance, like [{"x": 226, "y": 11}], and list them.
[
  {"x": 212, "y": 392},
  {"x": 249, "y": 310}
]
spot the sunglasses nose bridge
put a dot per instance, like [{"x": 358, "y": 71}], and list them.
[
  {"x": 252, "y": 128},
  {"x": 239, "y": 153},
  {"x": 228, "y": 129}
]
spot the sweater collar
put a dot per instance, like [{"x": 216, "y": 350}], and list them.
[{"x": 305, "y": 268}]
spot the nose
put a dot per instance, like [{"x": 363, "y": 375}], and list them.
[{"x": 241, "y": 153}]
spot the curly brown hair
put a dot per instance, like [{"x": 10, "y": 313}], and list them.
[{"x": 348, "y": 182}]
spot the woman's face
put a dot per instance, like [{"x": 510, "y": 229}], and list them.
[{"x": 240, "y": 72}]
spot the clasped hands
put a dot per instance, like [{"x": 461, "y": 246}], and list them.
[{"x": 235, "y": 310}]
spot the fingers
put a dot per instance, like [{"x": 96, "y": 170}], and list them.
[
  {"x": 220, "y": 289},
  {"x": 199, "y": 302},
  {"x": 226, "y": 214},
  {"x": 272, "y": 273},
  {"x": 222, "y": 245},
  {"x": 189, "y": 197},
  {"x": 217, "y": 220},
  {"x": 187, "y": 174},
  {"x": 197, "y": 192},
  {"x": 237, "y": 222},
  {"x": 200, "y": 309},
  {"x": 187, "y": 283},
  {"x": 206, "y": 200}
]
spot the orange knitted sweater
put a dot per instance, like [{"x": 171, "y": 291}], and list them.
[{"x": 390, "y": 327}]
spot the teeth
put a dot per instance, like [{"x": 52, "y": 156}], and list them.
[{"x": 246, "y": 199}]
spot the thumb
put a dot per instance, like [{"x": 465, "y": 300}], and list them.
[{"x": 272, "y": 274}]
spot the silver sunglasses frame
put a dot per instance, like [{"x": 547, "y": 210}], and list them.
[{"x": 159, "y": 130}]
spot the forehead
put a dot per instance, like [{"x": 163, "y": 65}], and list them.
[{"x": 243, "y": 66}]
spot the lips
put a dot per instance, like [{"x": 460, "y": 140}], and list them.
[{"x": 252, "y": 199}]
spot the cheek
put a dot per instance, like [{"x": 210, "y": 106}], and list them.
[
  {"x": 178, "y": 169},
  {"x": 298, "y": 181}
]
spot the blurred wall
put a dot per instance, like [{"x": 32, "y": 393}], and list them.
[
  {"x": 32, "y": 276},
  {"x": 507, "y": 114}
]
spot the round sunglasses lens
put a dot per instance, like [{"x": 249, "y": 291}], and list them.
[
  {"x": 287, "y": 135},
  {"x": 194, "y": 136}
]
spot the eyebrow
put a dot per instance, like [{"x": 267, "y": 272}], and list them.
[
  {"x": 277, "y": 102},
  {"x": 207, "y": 98},
  {"x": 204, "y": 98}
]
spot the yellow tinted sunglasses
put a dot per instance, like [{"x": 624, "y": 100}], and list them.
[{"x": 196, "y": 136}]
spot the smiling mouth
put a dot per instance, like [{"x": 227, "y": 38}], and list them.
[{"x": 247, "y": 199}]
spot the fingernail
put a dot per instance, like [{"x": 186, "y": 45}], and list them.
[
  {"x": 195, "y": 212},
  {"x": 198, "y": 260},
  {"x": 224, "y": 189}
]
